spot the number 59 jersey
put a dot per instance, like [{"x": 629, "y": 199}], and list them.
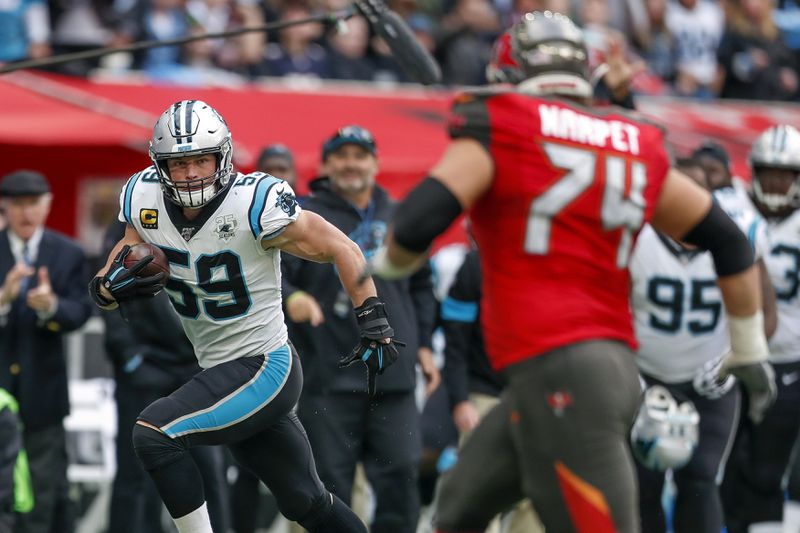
[
  {"x": 224, "y": 286},
  {"x": 572, "y": 187}
]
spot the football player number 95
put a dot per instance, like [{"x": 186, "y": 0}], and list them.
[{"x": 617, "y": 211}]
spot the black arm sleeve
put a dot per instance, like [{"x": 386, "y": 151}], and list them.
[
  {"x": 720, "y": 235},
  {"x": 425, "y": 213}
]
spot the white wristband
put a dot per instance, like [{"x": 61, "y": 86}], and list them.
[
  {"x": 748, "y": 342},
  {"x": 379, "y": 265}
]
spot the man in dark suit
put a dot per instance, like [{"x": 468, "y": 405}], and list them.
[{"x": 42, "y": 297}]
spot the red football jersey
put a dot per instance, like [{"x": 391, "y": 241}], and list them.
[{"x": 571, "y": 190}]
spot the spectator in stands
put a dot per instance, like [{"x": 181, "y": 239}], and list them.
[
  {"x": 465, "y": 48},
  {"x": 198, "y": 66},
  {"x": 754, "y": 62},
  {"x": 657, "y": 46},
  {"x": 155, "y": 20},
  {"x": 24, "y": 30},
  {"x": 787, "y": 17},
  {"x": 80, "y": 25},
  {"x": 214, "y": 16},
  {"x": 594, "y": 17},
  {"x": 296, "y": 53},
  {"x": 348, "y": 52},
  {"x": 43, "y": 296},
  {"x": 346, "y": 424},
  {"x": 697, "y": 26},
  {"x": 151, "y": 357}
]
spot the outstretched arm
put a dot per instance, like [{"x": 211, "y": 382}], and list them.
[
  {"x": 313, "y": 238},
  {"x": 462, "y": 176}
]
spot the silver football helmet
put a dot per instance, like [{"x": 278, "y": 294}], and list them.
[
  {"x": 665, "y": 434},
  {"x": 543, "y": 53},
  {"x": 777, "y": 147},
  {"x": 191, "y": 128}
]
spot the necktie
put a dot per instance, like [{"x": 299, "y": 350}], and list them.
[{"x": 26, "y": 259}]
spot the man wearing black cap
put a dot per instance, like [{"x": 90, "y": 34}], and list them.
[
  {"x": 277, "y": 160},
  {"x": 714, "y": 160},
  {"x": 42, "y": 297},
  {"x": 345, "y": 423}
]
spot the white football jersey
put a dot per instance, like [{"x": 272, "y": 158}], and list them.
[
  {"x": 677, "y": 309},
  {"x": 783, "y": 264},
  {"x": 677, "y": 306},
  {"x": 224, "y": 286}
]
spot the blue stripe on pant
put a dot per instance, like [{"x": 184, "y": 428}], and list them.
[{"x": 241, "y": 403}]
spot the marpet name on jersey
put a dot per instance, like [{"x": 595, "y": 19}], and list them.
[{"x": 565, "y": 123}]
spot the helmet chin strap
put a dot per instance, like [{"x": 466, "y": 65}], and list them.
[{"x": 556, "y": 84}]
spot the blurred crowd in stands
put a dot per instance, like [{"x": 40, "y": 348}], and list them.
[{"x": 746, "y": 49}]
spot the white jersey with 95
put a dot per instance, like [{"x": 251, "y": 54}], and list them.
[
  {"x": 224, "y": 286},
  {"x": 678, "y": 313},
  {"x": 677, "y": 309}
]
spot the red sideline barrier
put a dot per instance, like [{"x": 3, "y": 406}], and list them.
[{"x": 75, "y": 131}]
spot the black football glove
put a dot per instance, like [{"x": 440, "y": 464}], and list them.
[
  {"x": 377, "y": 347},
  {"x": 124, "y": 284}
]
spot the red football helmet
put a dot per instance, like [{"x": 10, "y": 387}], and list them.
[{"x": 543, "y": 53}]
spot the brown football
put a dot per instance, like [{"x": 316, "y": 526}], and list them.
[{"x": 158, "y": 264}]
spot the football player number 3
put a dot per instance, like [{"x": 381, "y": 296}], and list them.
[{"x": 617, "y": 211}]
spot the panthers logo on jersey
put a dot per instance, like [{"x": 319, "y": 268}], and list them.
[{"x": 287, "y": 202}]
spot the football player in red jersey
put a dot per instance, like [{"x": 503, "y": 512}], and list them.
[{"x": 557, "y": 192}]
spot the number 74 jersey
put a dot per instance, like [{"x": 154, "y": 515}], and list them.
[
  {"x": 223, "y": 285},
  {"x": 572, "y": 187}
]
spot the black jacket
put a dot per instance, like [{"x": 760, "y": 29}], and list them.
[
  {"x": 35, "y": 347},
  {"x": 410, "y": 303},
  {"x": 466, "y": 365},
  {"x": 148, "y": 328}
]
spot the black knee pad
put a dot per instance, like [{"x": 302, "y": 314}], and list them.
[
  {"x": 308, "y": 516},
  {"x": 154, "y": 449},
  {"x": 328, "y": 514}
]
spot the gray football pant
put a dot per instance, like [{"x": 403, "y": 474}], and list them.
[{"x": 558, "y": 436}]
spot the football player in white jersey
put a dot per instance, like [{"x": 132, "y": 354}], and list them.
[
  {"x": 752, "y": 492},
  {"x": 222, "y": 233},
  {"x": 682, "y": 332}
]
